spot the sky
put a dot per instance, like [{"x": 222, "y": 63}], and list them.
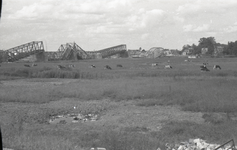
[{"x": 99, "y": 24}]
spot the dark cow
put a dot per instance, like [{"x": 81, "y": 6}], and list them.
[
  {"x": 27, "y": 65},
  {"x": 118, "y": 65},
  {"x": 92, "y": 66},
  {"x": 107, "y": 67},
  {"x": 204, "y": 67},
  {"x": 61, "y": 67},
  {"x": 216, "y": 67}
]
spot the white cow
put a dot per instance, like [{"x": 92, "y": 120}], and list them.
[
  {"x": 98, "y": 148},
  {"x": 71, "y": 65},
  {"x": 154, "y": 64},
  {"x": 168, "y": 67}
]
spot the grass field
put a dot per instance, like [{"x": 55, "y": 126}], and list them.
[{"x": 139, "y": 106}]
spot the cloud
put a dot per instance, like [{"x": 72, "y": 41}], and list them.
[
  {"x": 231, "y": 29},
  {"x": 144, "y": 36},
  {"x": 194, "y": 28},
  {"x": 201, "y": 28},
  {"x": 188, "y": 28},
  {"x": 190, "y": 12},
  {"x": 33, "y": 11},
  {"x": 127, "y": 21}
]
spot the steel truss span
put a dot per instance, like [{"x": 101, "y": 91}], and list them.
[
  {"x": 111, "y": 50},
  {"x": 24, "y": 50}
]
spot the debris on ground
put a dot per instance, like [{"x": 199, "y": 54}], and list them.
[
  {"x": 199, "y": 144},
  {"x": 73, "y": 118}
]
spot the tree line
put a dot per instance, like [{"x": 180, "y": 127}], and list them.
[{"x": 211, "y": 45}]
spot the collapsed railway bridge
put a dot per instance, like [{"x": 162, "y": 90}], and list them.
[
  {"x": 34, "y": 49},
  {"x": 71, "y": 51},
  {"x": 68, "y": 51},
  {"x": 116, "y": 51}
]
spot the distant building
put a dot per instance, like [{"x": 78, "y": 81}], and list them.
[
  {"x": 204, "y": 51},
  {"x": 187, "y": 51},
  {"x": 218, "y": 50},
  {"x": 168, "y": 52}
]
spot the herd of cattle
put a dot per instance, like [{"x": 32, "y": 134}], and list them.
[
  {"x": 68, "y": 66},
  {"x": 91, "y": 66},
  {"x": 202, "y": 67},
  {"x": 167, "y": 66}
]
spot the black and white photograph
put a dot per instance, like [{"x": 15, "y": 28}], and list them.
[{"x": 118, "y": 75}]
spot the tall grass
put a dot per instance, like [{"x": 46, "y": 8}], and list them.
[
  {"x": 62, "y": 137},
  {"x": 137, "y": 82},
  {"x": 206, "y": 94}
]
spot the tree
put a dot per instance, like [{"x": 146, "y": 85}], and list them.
[
  {"x": 207, "y": 43},
  {"x": 231, "y": 48},
  {"x": 196, "y": 49}
]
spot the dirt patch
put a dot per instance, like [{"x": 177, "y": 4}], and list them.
[
  {"x": 113, "y": 114},
  {"x": 126, "y": 114}
]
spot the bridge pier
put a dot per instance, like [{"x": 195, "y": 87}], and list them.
[{"x": 35, "y": 57}]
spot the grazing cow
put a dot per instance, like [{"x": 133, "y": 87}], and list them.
[
  {"x": 98, "y": 148},
  {"x": 71, "y": 65},
  {"x": 27, "y": 65},
  {"x": 34, "y": 65},
  {"x": 107, "y": 67},
  {"x": 154, "y": 64},
  {"x": 92, "y": 66},
  {"x": 216, "y": 67},
  {"x": 61, "y": 67},
  {"x": 118, "y": 65},
  {"x": 168, "y": 67},
  {"x": 204, "y": 68}
]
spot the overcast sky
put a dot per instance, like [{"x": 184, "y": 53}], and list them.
[{"x": 98, "y": 24}]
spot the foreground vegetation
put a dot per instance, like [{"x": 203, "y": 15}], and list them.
[{"x": 28, "y": 93}]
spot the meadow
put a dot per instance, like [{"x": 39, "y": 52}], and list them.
[{"x": 140, "y": 107}]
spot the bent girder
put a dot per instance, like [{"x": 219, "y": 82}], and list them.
[{"x": 25, "y": 50}]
